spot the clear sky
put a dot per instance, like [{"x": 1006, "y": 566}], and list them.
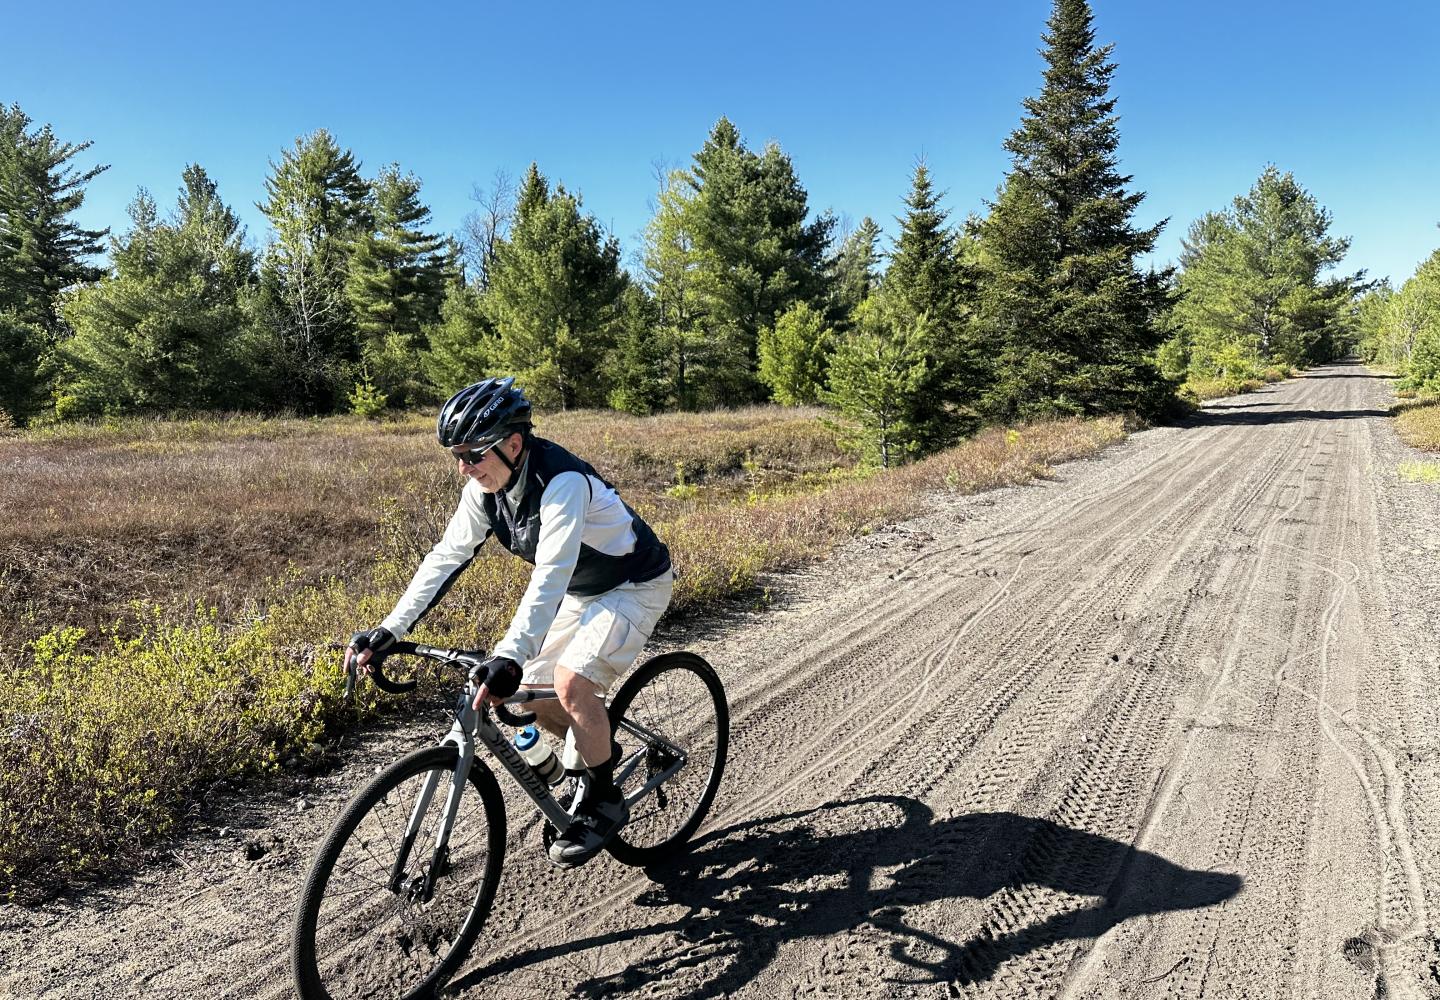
[{"x": 1343, "y": 95}]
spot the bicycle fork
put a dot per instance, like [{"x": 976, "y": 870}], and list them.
[{"x": 461, "y": 738}]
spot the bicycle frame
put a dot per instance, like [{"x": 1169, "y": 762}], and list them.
[{"x": 471, "y": 726}]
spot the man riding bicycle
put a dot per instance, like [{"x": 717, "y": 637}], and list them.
[{"x": 600, "y": 583}]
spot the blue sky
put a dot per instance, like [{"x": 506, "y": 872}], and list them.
[{"x": 1343, "y": 95}]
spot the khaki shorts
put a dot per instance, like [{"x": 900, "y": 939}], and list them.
[{"x": 600, "y": 637}]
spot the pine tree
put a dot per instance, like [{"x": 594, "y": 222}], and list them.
[
  {"x": 1415, "y": 319},
  {"x": 927, "y": 287},
  {"x": 319, "y": 207},
  {"x": 694, "y": 364},
  {"x": 22, "y": 392},
  {"x": 166, "y": 330},
  {"x": 554, "y": 297},
  {"x": 462, "y": 347},
  {"x": 398, "y": 271},
  {"x": 874, "y": 369},
  {"x": 1064, "y": 304},
  {"x": 395, "y": 286},
  {"x": 42, "y": 250},
  {"x": 794, "y": 354},
  {"x": 1371, "y": 313},
  {"x": 854, "y": 272},
  {"x": 1254, "y": 294},
  {"x": 757, "y": 254},
  {"x": 639, "y": 364}
]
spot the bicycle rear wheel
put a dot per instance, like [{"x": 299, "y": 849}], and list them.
[
  {"x": 673, "y": 702},
  {"x": 363, "y": 927}
]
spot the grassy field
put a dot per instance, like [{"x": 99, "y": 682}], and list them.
[{"x": 178, "y": 590}]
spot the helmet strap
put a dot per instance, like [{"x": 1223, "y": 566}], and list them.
[{"x": 513, "y": 465}]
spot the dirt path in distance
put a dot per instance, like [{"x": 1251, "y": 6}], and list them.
[{"x": 1163, "y": 726}]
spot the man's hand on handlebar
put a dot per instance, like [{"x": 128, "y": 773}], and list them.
[
  {"x": 367, "y": 647},
  {"x": 498, "y": 677}
]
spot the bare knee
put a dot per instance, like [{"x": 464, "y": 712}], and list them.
[{"x": 576, "y": 693}]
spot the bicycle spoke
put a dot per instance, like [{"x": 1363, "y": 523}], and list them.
[
  {"x": 667, "y": 717},
  {"x": 366, "y": 939}
]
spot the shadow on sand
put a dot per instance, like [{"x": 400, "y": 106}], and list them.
[
  {"x": 1253, "y": 413},
  {"x": 750, "y": 888}
]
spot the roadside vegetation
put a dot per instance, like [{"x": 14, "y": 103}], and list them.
[
  {"x": 262, "y": 545},
  {"x": 1199, "y": 390},
  {"x": 1417, "y": 421}
]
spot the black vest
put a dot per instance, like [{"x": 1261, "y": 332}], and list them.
[{"x": 595, "y": 572}]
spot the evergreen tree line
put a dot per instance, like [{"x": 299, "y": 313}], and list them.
[
  {"x": 1400, "y": 329},
  {"x": 740, "y": 294}
]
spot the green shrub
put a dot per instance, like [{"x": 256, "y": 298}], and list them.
[{"x": 367, "y": 401}]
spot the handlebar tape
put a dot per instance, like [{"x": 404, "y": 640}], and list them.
[{"x": 516, "y": 719}]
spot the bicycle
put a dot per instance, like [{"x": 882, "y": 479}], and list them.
[{"x": 403, "y": 883}]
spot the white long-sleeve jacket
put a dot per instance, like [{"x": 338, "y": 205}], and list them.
[{"x": 580, "y": 518}]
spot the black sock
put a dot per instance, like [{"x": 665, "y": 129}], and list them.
[{"x": 602, "y": 781}]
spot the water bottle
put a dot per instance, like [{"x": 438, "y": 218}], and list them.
[{"x": 537, "y": 754}]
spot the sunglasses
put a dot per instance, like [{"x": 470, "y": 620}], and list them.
[{"x": 473, "y": 457}]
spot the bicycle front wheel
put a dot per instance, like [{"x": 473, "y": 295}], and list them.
[
  {"x": 365, "y": 926},
  {"x": 675, "y": 702}
]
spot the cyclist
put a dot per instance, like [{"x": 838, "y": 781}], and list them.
[{"x": 601, "y": 580}]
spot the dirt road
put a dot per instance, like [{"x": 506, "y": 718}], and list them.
[{"x": 1164, "y": 726}]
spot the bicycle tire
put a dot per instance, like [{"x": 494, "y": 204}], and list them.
[
  {"x": 339, "y": 955},
  {"x": 679, "y": 696}
]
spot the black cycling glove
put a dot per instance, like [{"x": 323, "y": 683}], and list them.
[
  {"x": 378, "y": 640},
  {"x": 500, "y": 674}
]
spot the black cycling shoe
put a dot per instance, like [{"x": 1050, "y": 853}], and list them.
[{"x": 594, "y": 826}]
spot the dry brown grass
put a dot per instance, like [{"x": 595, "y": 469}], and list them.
[
  {"x": 95, "y": 518},
  {"x": 1418, "y": 423}
]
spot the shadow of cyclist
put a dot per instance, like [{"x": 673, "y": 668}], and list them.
[{"x": 748, "y": 889}]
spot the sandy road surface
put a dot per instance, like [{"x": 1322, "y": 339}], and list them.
[{"x": 1165, "y": 726}]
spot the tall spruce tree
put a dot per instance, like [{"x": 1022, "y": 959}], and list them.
[
  {"x": 319, "y": 207},
  {"x": 166, "y": 329},
  {"x": 554, "y": 296},
  {"x": 1064, "y": 303},
  {"x": 43, "y": 251},
  {"x": 927, "y": 290}
]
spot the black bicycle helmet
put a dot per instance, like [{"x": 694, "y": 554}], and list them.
[{"x": 483, "y": 413}]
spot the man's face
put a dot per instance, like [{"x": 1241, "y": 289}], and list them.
[{"x": 491, "y": 473}]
